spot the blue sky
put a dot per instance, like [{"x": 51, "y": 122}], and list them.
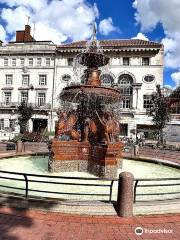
[
  {"x": 71, "y": 20},
  {"x": 122, "y": 13}
]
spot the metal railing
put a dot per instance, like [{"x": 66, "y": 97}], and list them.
[
  {"x": 140, "y": 183},
  {"x": 15, "y": 105},
  {"x": 86, "y": 182},
  {"x": 149, "y": 183}
]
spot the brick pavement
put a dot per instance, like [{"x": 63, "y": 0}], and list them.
[
  {"x": 36, "y": 225},
  {"x": 147, "y": 153}
]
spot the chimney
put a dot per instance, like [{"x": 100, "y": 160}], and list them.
[
  {"x": 27, "y": 30},
  {"x": 24, "y": 35}
]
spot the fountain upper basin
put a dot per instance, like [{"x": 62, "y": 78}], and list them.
[
  {"x": 92, "y": 59},
  {"x": 76, "y": 93}
]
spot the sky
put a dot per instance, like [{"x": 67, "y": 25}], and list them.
[{"x": 71, "y": 20}]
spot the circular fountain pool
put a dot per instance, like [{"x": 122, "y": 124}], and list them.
[{"x": 39, "y": 165}]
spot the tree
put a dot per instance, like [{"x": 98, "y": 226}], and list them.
[
  {"x": 160, "y": 114},
  {"x": 25, "y": 113}
]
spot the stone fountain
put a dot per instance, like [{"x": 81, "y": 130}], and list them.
[{"x": 87, "y": 134}]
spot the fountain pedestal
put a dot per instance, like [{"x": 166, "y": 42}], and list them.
[{"x": 100, "y": 160}]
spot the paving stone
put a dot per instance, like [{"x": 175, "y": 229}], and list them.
[{"x": 33, "y": 224}]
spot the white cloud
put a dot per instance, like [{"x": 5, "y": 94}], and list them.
[
  {"x": 176, "y": 77},
  {"x": 141, "y": 36},
  {"x": 168, "y": 86},
  {"x": 151, "y": 12},
  {"x": 106, "y": 26},
  {"x": 2, "y": 34},
  {"x": 55, "y": 20},
  {"x": 33, "y": 4}
]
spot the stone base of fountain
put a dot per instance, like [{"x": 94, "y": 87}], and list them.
[{"x": 101, "y": 160}]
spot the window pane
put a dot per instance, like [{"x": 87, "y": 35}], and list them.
[
  {"x": 39, "y": 61},
  {"x": 70, "y": 61},
  {"x": 42, "y": 80},
  {"x": 9, "y": 79},
  {"x": 1, "y": 124},
  {"x": 66, "y": 78},
  {"x": 127, "y": 102},
  {"x": 125, "y": 86},
  {"x": 47, "y": 61},
  {"x": 6, "y": 62},
  {"x": 145, "y": 61},
  {"x": 25, "y": 80},
  {"x": 41, "y": 99},
  {"x": 24, "y": 97},
  {"x": 147, "y": 103},
  {"x": 149, "y": 78},
  {"x": 30, "y": 61},
  {"x": 126, "y": 61},
  {"x": 12, "y": 123},
  {"x": 22, "y": 61},
  {"x": 7, "y": 98},
  {"x": 14, "y": 62},
  {"x": 107, "y": 79}
]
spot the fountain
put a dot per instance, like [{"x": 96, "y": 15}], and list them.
[{"x": 87, "y": 134}]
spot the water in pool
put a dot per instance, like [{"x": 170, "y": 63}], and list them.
[{"x": 39, "y": 165}]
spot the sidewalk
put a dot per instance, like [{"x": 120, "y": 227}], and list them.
[{"x": 36, "y": 225}]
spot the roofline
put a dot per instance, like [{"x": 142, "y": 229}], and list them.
[
  {"x": 154, "y": 44},
  {"x": 32, "y": 41}
]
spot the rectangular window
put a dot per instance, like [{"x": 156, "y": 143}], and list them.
[
  {"x": 124, "y": 129},
  {"x": 39, "y": 61},
  {"x": 126, "y": 102},
  {"x": 22, "y": 61},
  {"x": 7, "y": 98},
  {"x": 24, "y": 97},
  {"x": 147, "y": 101},
  {"x": 41, "y": 99},
  {"x": 42, "y": 80},
  {"x": 12, "y": 123},
  {"x": 1, "y": 124},
  {"x": 145, "y": 61},
  {"x": 14, "y": 62},
  {"x": 9, "y": 79},
  {"x": 70, "y": 61},
  {"x": 31, "y": 62},
  {"x": 25, "y": 80},
  {"x": 126, "y": 61},
  {"x": 5, "y": 62},
  {"x": 47, "y": 61}
]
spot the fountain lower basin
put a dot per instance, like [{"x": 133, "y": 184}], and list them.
[{"x": 39, "y": 165}]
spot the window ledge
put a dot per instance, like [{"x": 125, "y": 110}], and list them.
[{"x": 7, "y": 88}]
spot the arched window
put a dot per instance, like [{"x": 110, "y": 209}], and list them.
[
  {"x": 66, "y": 78},
  {"x": 125, "y": 86},
  {"x": 107, "y": 79}
]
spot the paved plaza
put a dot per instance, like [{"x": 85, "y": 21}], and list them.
[
  {"x": 27, "y": 224},
  {"x": 36, "y": 225}
]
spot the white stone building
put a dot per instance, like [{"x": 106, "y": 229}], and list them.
[{"x": 35, "y": 72}]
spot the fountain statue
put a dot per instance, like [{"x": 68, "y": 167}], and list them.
[{"x": 87, "y": 134}]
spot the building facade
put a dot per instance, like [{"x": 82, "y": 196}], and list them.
[{"x": 35, "y": 72}]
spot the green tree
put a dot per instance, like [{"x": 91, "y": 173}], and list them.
[
  {"x": 25, "y": 113},
  {"x": 160, "y": 114}
]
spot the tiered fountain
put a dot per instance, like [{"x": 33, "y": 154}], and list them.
[{"x": 86, "y": 135}]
